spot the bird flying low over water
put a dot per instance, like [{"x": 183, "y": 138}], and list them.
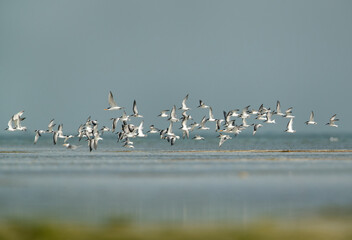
[
  {"x": 38, "y": 133},
  {"x": 57, "y": 134},
  {"x": 223, "y": 138},
  {"x": 288, "y": 113},
  {"x": 211, "y": 116},
  {"x": 14, "y": 124},
  {"x": 202, "y": 124},
  {"x": 311, "y": 119},
  {"x": 70, "y": 146},
  {"x": 268, "y": 117},
  {"x": 331, "y": 123},
  {"x": 135, "y": 110},
  {"x": 198, "y": 138},
  {"x": 140, "y": 130},
  {"x": 128, "y": 129},
  {"x": 278, "y": 109},
  {"x": 51, "y": 126},
  {"x": 173, "y": 117},
  {"x": 153, "y": 129},
  {"x": 163, "y": 114},
  {"x": 184, "y": 107},
  {"x": 289, "y": 128},
  {"x": 202, "y": 105},
  {"x": 255, "y": 128},
  {"x": 112, "y": 103}
]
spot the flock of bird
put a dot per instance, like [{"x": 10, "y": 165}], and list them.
[{"x": 226, "y": 126}]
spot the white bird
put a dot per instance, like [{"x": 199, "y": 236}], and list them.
[
  {"x": 268, "y": 117},
  {"x": 261, "y": 116},
  {"x": 202, "y": 105},
  {"x": 162, "y": 133},
  {"x": 153, "y": 129},
  {"x": 255, "y": 128},
  {"x": 232, "y": 128},
  {"x": 124, "y": 117},
  {"x": 186, "y": 116},
  {"x": 57, "y": 134},
  {"x": 104, "y": 129},
  {"x": 51, "y": 126},
  {"x": 193, "y": 126},
  {"x": 173, "y": 117},
  {"x": 127, "y": 145},
  {"x": 184, "y": 107},
  {"x": 172, "y": 139},
  {"x": 114, "y": 123},
  {"x": 67, "y": 137},
  {"x": 198, "y": 138},
  {"x": 218, "y": 124},
  {"x": 211, "y": 116},
  {"x": 70, "y": 146},
  {"x": 290, "y": 126},
  {"x": 16, "y": 119},
  {"x": 112, "y": 103},
  {"x": 223, "y": 138},
  {"x": 245, "y": 112},
  {"x": 135, "y": 110},
  {"x": 202, "y": 124},
  {"x": 234, "y": 113},
  {"x": 288, "y": 113},
  {"x": 38, "y": 133},
  {"x": 163, "y": 114},
  {"x": 278, "y": 109},
  {"x": 140, "y": 130},
  {"x": 185, "y": 129},
  {"x": 80, "y": 132},
  {"x": 227, "y": 117},
  {"x": 332, "y": 121},
  {"x": 311, "y": 119},
  {"x": 96, "y": 139},
  {"x": 244, "y": 123}
]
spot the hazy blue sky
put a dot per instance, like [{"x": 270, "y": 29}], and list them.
[{"x": 59, "y": 59}]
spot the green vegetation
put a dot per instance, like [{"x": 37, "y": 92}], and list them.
[{"x": 337, "y": 229}]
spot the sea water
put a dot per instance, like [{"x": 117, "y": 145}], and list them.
[{"x": 192, "y": 181}]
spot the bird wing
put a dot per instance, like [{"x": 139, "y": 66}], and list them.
[
  {"x": 311, "y": 117},
  {"x": 211, "y": 113},
  {"x": 204, "y": 120},
  {"x": 55, "y": 137},
  {"x": 17, "y": 115},
  {"x": 36, "y": 137},
  {"x": 51, "y": 124},
  {"x": 222, "y": 140},
  {"x": 10, "y": 123},
  {"x": 278, "y": 107},
  {"x": 289, "y": 125},
  {"x": 184, "y": 102},
  {"x": 135, "y": 110},
  {"x": 268, "y": 115},
  {"x": 140, "y": 127},
  {"x": 173, "y": 112},
  {"x": 112, "y": 102}
]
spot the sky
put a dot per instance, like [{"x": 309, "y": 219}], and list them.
[{"x": 59, "y": 59}]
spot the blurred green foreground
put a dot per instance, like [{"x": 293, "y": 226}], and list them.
[{"x": 322, "y": 228}]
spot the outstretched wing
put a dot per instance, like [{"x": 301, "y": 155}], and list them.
[{"x": 112, "y": 102}]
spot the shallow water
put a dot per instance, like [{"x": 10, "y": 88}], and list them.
[{"x": 189, "y": 182}]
